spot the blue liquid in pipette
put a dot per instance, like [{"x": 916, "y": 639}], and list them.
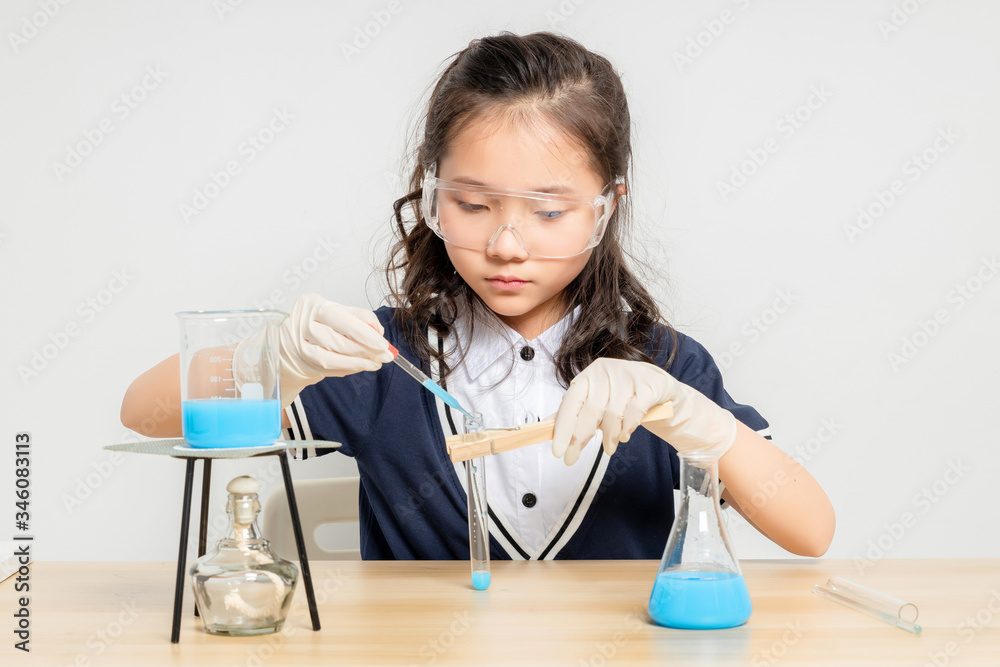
[
  {"x": 210, "y": 423},
  {"x": 699, "y": 600},
  {"x": 480, "y": 580},
  {"x": 446, "y": 397}
]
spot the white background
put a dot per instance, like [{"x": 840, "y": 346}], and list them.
[{"x": 330, "y": 176}]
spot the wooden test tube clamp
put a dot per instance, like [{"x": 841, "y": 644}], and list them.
[{"x": 494, "y": 442}]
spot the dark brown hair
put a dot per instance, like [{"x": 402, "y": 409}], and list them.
[{"x": 579, "y": 92}]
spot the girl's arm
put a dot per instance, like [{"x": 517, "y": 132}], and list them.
[
  {"x": 768, "y": 487},
  {"x": 776, "y": 495},
  {"x": 152, "y": 403}
]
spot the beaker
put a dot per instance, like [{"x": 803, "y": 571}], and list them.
[
  {"x": 699, "y": 584},
  {"x": 229, "y": 378}
]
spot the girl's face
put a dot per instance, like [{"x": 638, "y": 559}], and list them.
[{"x": 523, "y": 290}]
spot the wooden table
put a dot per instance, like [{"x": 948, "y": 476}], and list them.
[{"x": 535, "y": 613}]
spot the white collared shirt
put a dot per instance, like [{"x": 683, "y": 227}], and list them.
[{"x": 530, "y": 393}]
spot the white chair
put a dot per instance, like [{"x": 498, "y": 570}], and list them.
[{"x": 320, "y": 501}]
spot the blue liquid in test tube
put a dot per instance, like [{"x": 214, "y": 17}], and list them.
[
  {"x": 479, "y": 526},
  {"x": 480, "y": 580},
  {"x": 479, "y": 532}
]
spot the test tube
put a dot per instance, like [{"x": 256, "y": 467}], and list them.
[
  {"x": 479, "y": 530},
  {"x": 884, "y": 607}
]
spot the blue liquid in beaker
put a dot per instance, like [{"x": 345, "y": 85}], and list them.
[
  {"x": 699, "y": 600},
  {"x": 480, "y": 580},
  {"x": 210, "y": 423}
]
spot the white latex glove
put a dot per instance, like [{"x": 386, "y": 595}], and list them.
[
  {"x": 613, "y": 395},
  {"x": 321, "y": 339}
]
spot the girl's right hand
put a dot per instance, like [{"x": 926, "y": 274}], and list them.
[
  {"x": 322, "y": 339},
  {"x": 614, "y": 395}
]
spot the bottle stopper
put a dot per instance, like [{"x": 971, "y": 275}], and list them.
[
  {"x": 243, "y": 494},
  {"x": 244, "y": 485}
]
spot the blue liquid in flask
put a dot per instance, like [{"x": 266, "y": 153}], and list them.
[
  {"x": 211, "y": 423},
  {"x": 695, "y": 600}
]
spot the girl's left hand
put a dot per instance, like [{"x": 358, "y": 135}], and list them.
[{"x": 613, "y": 395}]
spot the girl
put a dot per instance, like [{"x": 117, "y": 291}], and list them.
[{"x": 511, "y": 288}]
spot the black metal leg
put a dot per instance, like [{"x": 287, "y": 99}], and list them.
[
  {"x": 206, "y": 485},
  {"x": 299, "y": 542},
  {"x": 175, "y": 633}
]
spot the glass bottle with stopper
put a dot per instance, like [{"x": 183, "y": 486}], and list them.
[
  {"x": 241, "y": 587},
  {"x": 699, "y": 584}
]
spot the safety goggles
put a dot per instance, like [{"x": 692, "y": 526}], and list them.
[{"x": 544, "y": 225}]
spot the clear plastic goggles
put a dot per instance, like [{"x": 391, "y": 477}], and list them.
[{"x": 545, "y": 225}]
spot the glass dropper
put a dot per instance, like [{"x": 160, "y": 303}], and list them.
[{"x": 422, "y": 378}]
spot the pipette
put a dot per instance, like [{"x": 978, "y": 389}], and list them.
[{"x": 422, "y": 378}]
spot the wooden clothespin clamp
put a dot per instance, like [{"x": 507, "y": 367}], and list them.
[{"x": 463, "y": 447}]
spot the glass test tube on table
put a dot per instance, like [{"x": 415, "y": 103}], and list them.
[{"x": 479, "y": 527}]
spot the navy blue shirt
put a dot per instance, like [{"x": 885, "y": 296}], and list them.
[{"x": 413, "y": 504}]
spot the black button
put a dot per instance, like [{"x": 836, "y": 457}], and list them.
[
  {"x": 529, "y": 500},
  {"x": 527, "y": 353}
]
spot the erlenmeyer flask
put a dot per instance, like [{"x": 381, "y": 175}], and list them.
[{"x": 699, "y": 584}]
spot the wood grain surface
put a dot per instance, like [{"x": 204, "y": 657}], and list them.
[{"x": 534, "y": 613}]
